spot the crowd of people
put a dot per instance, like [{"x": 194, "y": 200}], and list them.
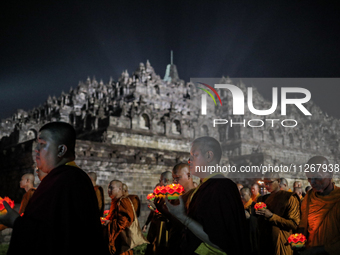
[{"x": 216, "y": 216}]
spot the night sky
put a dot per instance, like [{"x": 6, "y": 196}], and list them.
[{"x": 48, "y": 46}]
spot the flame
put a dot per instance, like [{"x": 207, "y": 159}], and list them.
[{"x": 260, "y": 182}]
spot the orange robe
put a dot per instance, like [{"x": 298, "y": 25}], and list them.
[
  {"x": 100, "y": 198},
  {"x": 25, "y": 200},
  {"x": 121, "y": 215},
  {"x": 323, "y": 220},
  {"x": 274, "y": 232}
]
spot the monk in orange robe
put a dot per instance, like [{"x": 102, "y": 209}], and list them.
[
  {"x": 255, "y": 192},
  {"x": 320, "y": 220},
  {"x": 120, "y": 217},
  {"x": 27, "y": 183},
  {"x": 279, "y": 220},
  {"x": 134, "y": 198}
]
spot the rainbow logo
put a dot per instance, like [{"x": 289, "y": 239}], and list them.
[{"x": 204, "y": 97}]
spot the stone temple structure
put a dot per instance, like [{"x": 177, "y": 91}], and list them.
[{"x": 139, "y": 126}]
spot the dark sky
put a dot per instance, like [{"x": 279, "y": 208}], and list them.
[{"x": 48, "y": 46}]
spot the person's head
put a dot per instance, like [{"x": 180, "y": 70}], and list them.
[
  {"x": 27, "y": 181},
  {"x": 115, "y": 189},
  {"x": 93, "y": 177},
  {"x": 284, "y": 184},
  {"x": 125, "y": 190},
  {"x": 255, "y": 189},
  {"x": 298, "y": 191},
  {"x": 239, "y": 186},
  {"x": 205, "y": 151},
  {"x": 245, "y": 195},
  {"x": 41, "y": 174},
  {"x": 321, "y": 181},
  {"x": 181, "y": 175},
  {"x": 308, "y": 188},
  {"x": 165, "y": 179},
  {"x": 55, "y": 145},
  {"x": 297, "y": 184},
  {"x": 272, "y": 182}
]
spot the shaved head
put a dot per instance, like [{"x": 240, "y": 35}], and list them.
[
  {"x": 29, "y": 177},
  {"x": 207, "y": 143},
  {"x": 166, "y": 178}
]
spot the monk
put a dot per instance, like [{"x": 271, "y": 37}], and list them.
[
  {"x": 62, "y": 215},
  {"x": 255, "y": 192},
  {"x": 248, "y": 205},
  {"x": 215, "y": 219},
  {"x": 27, "y": 183},
  {"x": 298, "y": 191},
  {"x": 181, "y": 175},
  {"x": 134, "y": 198},
  {"x": 120, "y": 217},
  {"x": 279, "y": 220},
  {"x": 284, "y": 184},
  {"x": 158, "y": 234},
  {"x": 99, "y": 192},
  {"x": 320, "y": 220}
]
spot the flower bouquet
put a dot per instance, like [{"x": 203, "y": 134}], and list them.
[
  {"x": 102, "y": 219},
  {"x": 260, "y": 206},
  {"x": 172, "y": 191}
]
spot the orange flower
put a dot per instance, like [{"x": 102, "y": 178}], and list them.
[
  {"x": 294, "y": 238},
  {"x": 150, "y": 196},
  {"x": 260, "y": 205}
]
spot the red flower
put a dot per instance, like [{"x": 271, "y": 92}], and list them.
[
  {"x": 171, "y": 191},
  {"x": 157, "y": 190},
  {"x": 106, "y": 212},
  {"x": 163, "y": 190},
  {"x": 150, "y": 196},
  {"x": 260, "y": 205},
  {"x": 294, "y": 238}
]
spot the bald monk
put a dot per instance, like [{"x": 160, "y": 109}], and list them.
[
  {"x": 255, "y": 192},
  {"x": 120, "y": 217},
  {"x": 279, "y": 220},
  {"x": 99, "y": 192},
  {"x": 27, "y": 183},
  {"x": 134, "y": 198},
  {"x": 284, "y": 184},
  {"x": 248, "y": 205},
  {"x": 320, "y": 220},
  {"x": 158, "y": 235},
  {"x": 181, "y": 175}
]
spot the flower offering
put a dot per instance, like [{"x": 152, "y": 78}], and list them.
[
  {"x": 172, "y": 191},
  {"x": 297, "y": 241},
  {"x": 260, "y": 206}
]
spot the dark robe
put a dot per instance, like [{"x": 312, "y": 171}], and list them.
[
  {"x": 60, "y": 218},
  {"x": 100, "y": 198},
  {"x": 24, "y": 202},
  {"x": 253, "y": 228},
  {"x": 217, "y": 206}
]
